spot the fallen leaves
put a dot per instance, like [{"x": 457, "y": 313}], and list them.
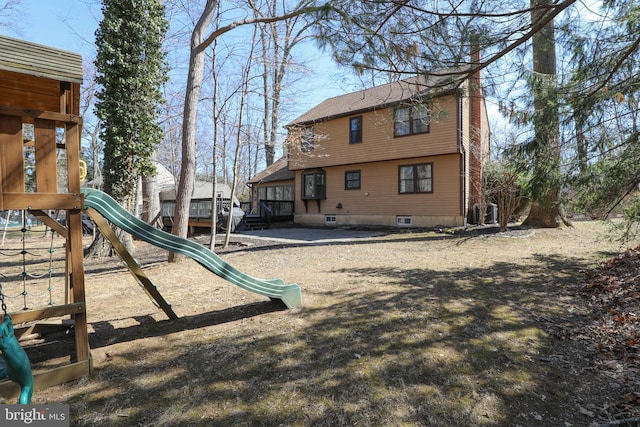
[
  {"x": 613, "y": 292},
  {"x": 613, "y": 298}
]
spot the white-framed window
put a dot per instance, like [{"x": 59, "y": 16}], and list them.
[
  {"x": 330, "y": 219},
  {"x": 404, "y": 221}
]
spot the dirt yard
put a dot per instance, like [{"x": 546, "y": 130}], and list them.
[{"x": 475, "y": 328}]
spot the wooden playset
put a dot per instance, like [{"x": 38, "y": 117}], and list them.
[
  {"x": 40, "y": 91},
  {"x": 39, "y": 120}
]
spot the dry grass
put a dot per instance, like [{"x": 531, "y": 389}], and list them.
[{"x": 407, "y": 329}]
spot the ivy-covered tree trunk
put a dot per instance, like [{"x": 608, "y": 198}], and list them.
[
  {"x": 546, "y": 209},
  {"x": 130, "y": 69}
]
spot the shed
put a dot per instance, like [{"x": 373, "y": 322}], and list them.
[{"x": 200, "y": 206}]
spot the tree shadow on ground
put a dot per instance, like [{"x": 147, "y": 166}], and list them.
[
  {"x": 56, "y": 345},
  {"x": 472, "y": 346}
]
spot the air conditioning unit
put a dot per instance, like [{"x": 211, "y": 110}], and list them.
[{"x": 403, "y": 221}]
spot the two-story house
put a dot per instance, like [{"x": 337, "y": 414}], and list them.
[{"x": 407, "y": 153}]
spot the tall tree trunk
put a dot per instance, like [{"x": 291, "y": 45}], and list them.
[
  {"x": 546, "y": 209},
  {"x": 236, "y": 159},
  {"x": 268, "y": 147},
  {"x": 150, "y": 199},
  {"x": 214, "y": 163},
  {"x": 580, "y": 119},
  {"x": 188, "y": 169},
  {"x": 125, "y": 238}
]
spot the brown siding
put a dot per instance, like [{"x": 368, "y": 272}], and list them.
[
  {"x": 11, "y": 155},
  {"x": 35, "y": 93},
  {"x": 333, "y": 148},
  {"x": 379, "y": 195}
]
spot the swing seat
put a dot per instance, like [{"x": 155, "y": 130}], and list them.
[{"x": 17, "y": 366}]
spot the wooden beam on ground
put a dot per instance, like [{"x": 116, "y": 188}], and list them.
[
  {"x": 47, "y": 312},
  {"x": 49, "y": 378},
  {"x": 134, "y": 268}
]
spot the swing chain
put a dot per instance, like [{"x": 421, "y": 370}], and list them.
[{"x": 4, "y": 305}]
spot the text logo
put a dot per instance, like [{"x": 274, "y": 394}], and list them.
[{"x": 34, "y": 415}]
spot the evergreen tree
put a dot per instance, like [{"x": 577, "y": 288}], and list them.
[
  {"x": 130, "y": 68},
  {"x": 544, "y": 147},
  {"x": 606, "y": 116}
]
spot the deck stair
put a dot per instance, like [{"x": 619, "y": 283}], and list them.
[{"x": 253, "y": 222}]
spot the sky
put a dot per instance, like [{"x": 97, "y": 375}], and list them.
[
  {"x": 63, "y": 24},
  {"x": 71, "y": 25}
]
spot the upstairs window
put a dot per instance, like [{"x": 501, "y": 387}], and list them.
[
  {"x": 411, "y": 120},
  {"x": 352, "y": 180},
  {"x": 308, "y": 139},
  {"x": 415, "y": 178},
  {"x": 355, "y": 130},
  {"x": 314, "y": 185}
]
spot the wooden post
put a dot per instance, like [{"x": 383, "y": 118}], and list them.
[
  {"x": 11, "y": 154},
  {"x": 46, "y": 168},
  {"x": 74, "y": 226},
  {"x": 134, "y": 268}
]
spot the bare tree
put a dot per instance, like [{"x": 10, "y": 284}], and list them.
[
  {"x": 10, "y": 16},
  {"x": 278, "y": 39},
  {"x": 199, "y": 43},
  {"x": 239, "y": 142},
  {"x": 91, "y": 124},
  {"x": 214, "y": 190}
]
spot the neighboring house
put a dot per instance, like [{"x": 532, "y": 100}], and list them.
[
  {"x": 400, "y": 154},
  {"x": 165, "y": 181},
  {"x": 200, "y": 205}
]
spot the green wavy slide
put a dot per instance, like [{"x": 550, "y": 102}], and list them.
[{"x": 289, "y": 294}]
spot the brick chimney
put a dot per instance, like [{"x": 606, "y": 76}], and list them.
[{"x": 475, "y": 143}]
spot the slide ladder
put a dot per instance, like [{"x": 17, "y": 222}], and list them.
[{"x": 289, "y": 294}]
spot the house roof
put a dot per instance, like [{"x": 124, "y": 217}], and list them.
[
  {"x": 37, "y": 60},
  {"x": 380, "y": 96},
  {"x": 201, "y": 190},
  {"x": 277, "y": 171},
  {"x": 165, "y": 179}
]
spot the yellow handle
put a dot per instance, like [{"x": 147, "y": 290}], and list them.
[{"x": 83, "y": 170}]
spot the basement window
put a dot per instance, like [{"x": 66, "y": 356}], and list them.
[{"x": 404, "y": 221}]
